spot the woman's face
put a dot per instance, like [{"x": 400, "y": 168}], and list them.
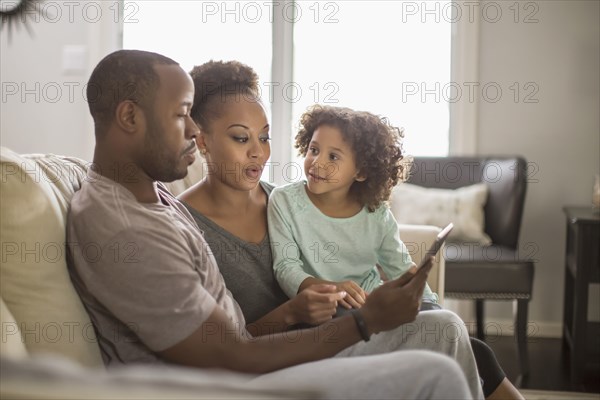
[{"x": 237, "y": 143}]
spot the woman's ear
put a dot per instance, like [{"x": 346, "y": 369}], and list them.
[
  {"x": 128, "y": 116},
  {"x": 201, "y": 142}
]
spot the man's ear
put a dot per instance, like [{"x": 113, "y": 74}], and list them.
[{"x": 128, "y": 116}]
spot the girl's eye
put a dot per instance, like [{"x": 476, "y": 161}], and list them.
[
  {"x": 333, "y": 157},
  {"x": 313, "y": 150}
]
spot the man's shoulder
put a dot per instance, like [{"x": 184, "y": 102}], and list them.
[
  {"x": 101, "y": 199},
  {"x": 104, "y": 208}
]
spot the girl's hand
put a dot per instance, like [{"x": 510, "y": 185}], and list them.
[
  {"x": 316, "y": 304},
  {"x": 356, "y": 295}
]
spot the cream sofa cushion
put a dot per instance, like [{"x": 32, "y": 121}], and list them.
[
  {"x": 35, "y": 284},
  {"x": 11, "y": 344}
]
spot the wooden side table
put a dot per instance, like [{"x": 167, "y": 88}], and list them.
[{"x": 582, "y": 267}]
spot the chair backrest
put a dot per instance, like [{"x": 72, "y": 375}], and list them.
[{"x": 506, "y": 178}]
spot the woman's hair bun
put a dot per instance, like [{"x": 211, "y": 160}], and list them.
[{"x": 223, "y": 76}]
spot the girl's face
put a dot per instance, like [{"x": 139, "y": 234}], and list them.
[
  {"x": 329, "y": 164},
  {"x": 237, "y": 143}
]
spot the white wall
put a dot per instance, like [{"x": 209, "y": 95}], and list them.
[
  {"x": 43, "y": 108},
  {"x": 559, "y": 135}
]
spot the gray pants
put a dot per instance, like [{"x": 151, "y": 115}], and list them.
[
  {"x": 378, "y": 369},
  {"x": 372, "y": 370}
]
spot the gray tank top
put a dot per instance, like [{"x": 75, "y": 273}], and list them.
[{"x": 246, "y": 267}]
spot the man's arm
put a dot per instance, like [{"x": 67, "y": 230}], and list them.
[{"x": 219, "y": 343}]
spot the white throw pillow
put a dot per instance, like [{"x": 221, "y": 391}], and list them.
[{"x": 412, "y": 204}]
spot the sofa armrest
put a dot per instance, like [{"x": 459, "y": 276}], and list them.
[
  {"x": 53, "y": 377},
  {"x": 417, "y": 239}
]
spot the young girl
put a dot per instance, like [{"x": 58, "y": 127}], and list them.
[{"x": 336, "y": 226}]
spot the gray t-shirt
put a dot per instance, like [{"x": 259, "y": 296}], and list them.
[
  {"x": 143, "y": 271},
  {"x": 246, "y": 267}
]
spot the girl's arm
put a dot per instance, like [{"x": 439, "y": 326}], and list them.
[
  {"x": 313, "y": 306},
  {"x": 287, "y": 265},
  {"x": 356, "y": 295},
  {"x": 393, "y": 256}
]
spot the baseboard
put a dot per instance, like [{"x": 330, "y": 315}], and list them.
[
  {"x": 531, "y": 394},
  {"x": 502, "y": 327},
  {"x": 505, "y": 327}
]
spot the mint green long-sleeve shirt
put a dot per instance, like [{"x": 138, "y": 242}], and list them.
[{"x": 307, "y": 243}]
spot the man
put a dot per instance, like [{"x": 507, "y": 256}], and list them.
[{"x": 154, "y": 292}]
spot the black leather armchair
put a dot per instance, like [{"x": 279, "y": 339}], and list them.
[{"x": 498, "y": 271}]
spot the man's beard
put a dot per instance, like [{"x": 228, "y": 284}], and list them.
[{"x": 156, "y": 162}]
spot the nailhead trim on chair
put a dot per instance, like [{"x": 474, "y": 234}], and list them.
[{"x": 487, "y": 296}]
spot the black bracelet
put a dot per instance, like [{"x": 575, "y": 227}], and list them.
[{"x": 360, "y": 324}]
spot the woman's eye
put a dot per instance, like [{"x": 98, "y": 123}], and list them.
[
  {"x": 265, "y": 139},
  {"x": 240, "y": 139}
]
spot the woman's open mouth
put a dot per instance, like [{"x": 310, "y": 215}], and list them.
[{"x": 253, "y": 172}]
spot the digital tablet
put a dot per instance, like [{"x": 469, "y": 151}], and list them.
[{"x": 437, "y": 244}]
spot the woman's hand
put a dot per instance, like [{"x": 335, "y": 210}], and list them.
[
  {"x": 356, "y": 295},
  {"x": 315, "y": 305}
]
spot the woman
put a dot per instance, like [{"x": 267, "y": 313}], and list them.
[{"x": 230, "y": 207}]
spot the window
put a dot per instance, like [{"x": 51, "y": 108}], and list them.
[
  {"x": 388, "y": 57},
  {"x": 194, "y": 32}
]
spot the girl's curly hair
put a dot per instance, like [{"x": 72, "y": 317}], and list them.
[
  {"x": 377, "y": 148},
  {"x": 217, "y": 81}
]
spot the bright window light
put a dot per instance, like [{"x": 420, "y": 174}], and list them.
[
  {"x": 194, "y": 32},
  {"x": 391, "y": 58}
]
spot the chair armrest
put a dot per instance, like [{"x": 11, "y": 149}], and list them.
[{"x": 417, "y": 239}]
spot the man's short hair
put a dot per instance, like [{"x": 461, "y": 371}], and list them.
[{"x": 120, "y": 76}]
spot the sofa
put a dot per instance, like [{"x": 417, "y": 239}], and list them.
[{"x": 49, "y": 348}]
